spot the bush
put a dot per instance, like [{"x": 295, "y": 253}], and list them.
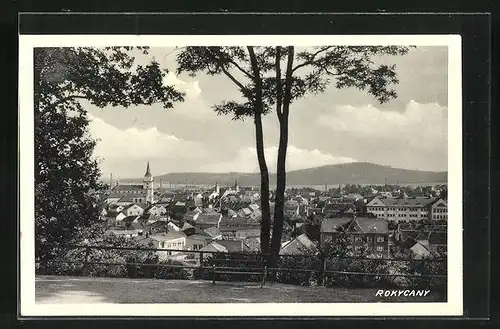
[{"x": 303, "y": 278}]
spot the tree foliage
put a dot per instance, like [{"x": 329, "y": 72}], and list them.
[{"x": 66, "y": 172}]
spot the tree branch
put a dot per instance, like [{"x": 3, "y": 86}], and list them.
[
  {"x": 251, "y": 77},
  {"x": 256, "y": 73},
  {"x": 228, "y": 74},
  {"x": 232, "y": 78},
  {"x": 312, "y": 59}
]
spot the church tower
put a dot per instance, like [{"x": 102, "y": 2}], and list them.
[
  {"x": 236, "y": 186},
  {"x": 217, "y": 188},
  {"x": 147, "y": 184}
]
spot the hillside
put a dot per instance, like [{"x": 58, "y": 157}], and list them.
[{"x": 348, "y": 173}]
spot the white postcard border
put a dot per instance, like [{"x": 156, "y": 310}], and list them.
[{"x": 28, "y": 307}]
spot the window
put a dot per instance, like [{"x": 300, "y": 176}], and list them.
[
  {"x": 380, "y": 239},
  {"x": 380, "y": 248},
  {"x": 162, "y": 244}
]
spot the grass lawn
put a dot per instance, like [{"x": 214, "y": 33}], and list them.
[{"x": 63, "y": 289}]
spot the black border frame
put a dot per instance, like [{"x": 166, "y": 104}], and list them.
[{"x": 475, "y": 32}]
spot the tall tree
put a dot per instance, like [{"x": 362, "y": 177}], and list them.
[
  {"x": 310, "y": 71},
  {"x": 245, "y": 68},
  {"x": 66, "y": 172},
  {"x": 270, "y": 87}
]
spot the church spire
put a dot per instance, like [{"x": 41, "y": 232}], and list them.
[{"x": 148, "y": 171}]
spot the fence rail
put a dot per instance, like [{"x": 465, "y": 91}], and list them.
[{"x": 206, "y": 265}]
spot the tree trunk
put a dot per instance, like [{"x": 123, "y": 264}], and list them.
[
  {"x": 279, "y": 206},
  {"x": 265, "y": 225}
]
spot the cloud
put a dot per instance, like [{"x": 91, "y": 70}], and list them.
[
  {"x": 192, "y": 89},
  {"x": 246, "y": 160},
  {"x": 134, "y": 143},
  {"x": 422, "y": 126}
]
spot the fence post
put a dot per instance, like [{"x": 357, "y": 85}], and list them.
[
  {"x": 85, "y": 263},
  {"x": 213, "y": 274},
  {"x": 201, "y": 266}
]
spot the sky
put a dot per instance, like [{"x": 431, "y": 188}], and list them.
[{"x": 337, "y": 126}]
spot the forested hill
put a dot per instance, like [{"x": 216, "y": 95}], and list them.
[{"x": 348, "y": 173}]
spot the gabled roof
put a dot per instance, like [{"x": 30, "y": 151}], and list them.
[
  {"x": 130, "y": 206},
  {"x": 420, "y": 250},
  {"x": 214, "y": 246},
  {"x": 408, "y": 202},
  {"x": 212, "y": 231},
  {"x": 234, "y": 246},
  {"x": 127, "y": 187},
  {"x": 198, "y": 237},
  {"x": 171, "y": 235},
  {"x": 129, "y": 219},
  {"x": 299, "y": 246},
  {"x": 372, "y": 225},
  {"x": 330, "y": 225},
  {"x": 209, "y": 218}
]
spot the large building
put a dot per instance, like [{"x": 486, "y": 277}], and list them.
[
  {"x": 135, "y": 193},
  {"x": 364, "y": 235},
  {"x": 409, "y": 209}
]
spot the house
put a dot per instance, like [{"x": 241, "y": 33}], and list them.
[
  {"x": 291, "y": 209},
  {"x": 127, "y": 221},
  {"x": 231, "y": 213},
  {"x": 198, "y": 200},
  {"x": 149, "y": 218},
  {"x": 234, "y": 246},
  {"x": 133, "y": 210},
  {"x": 157, "y": 209},
  {"x": 301, "y": 245},
  {"x": 253, "y": 207},
  {"x": 207, "y": 220},
  {"x": 191, "y": 216},
  {"x": 244, "y": 212},
  {"x": 214, "y": 247},
  {"x": 196, "y": 242},
  {"x": 171, "y": 240},
  {"x": 438, "y": 242},
  {"x": 301, "y": 200},
  {"x": 253, "y": 243},
  {"x": 248, "y": 231},
  {"x": 362, "y": 234},
  {"x": 125, "y": 201},
  {"x": 256, "y": 215},
  {"x": 439, "y": 210},
  {"x": 119, "y": 217},
  {"x": 420, "y": 251},
  {"x": 172, "y": 227},
  {"x": 213, "y": 232},
  {"x": 156, "y": 227}
]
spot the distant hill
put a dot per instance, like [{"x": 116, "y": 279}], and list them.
[{"x": 347, "y": 173}]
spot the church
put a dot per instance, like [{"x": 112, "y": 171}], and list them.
[{"x": 135, "y": 193}]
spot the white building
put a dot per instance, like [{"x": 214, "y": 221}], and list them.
[{"x": 408, "y": 209}]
